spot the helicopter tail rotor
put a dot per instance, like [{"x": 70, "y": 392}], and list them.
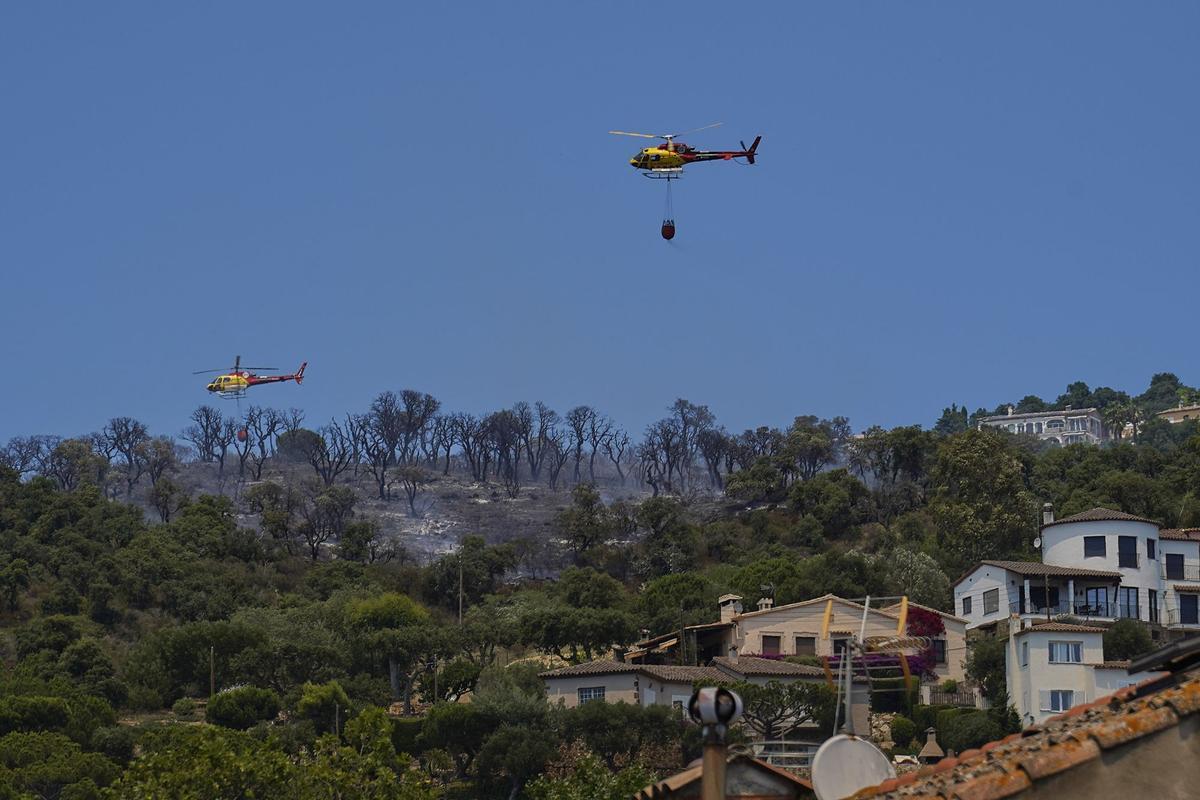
[{"x": 749, "y": 151}]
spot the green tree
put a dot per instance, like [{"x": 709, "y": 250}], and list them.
[
  {"x": 585, "y": 523},
  {"x": 587, "y": 778},
  {"x": 985, "y": 666},
  {"x": 323, "y": 704},
  {"x": 1126, "y": 639},
  {"x": 398, "y": 629},
  {"x": 775, "y": 709},
  {"x": 459, "y": 729},
  {"x": 515, "y": 753}
]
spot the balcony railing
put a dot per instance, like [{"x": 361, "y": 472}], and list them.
[
  {"x": 1081, "y": 609},
  {"x": 1175, "y": 617},
  {"x": 1186, "y": 572}
]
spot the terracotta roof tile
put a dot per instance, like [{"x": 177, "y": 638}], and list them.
[
  {"x": 1101, "y": 515},
  {"x": 1013, "y": 764},
  {"x": 678, "y": 674},
  {"x": 1113, "y": 665},
  {"x": 1180, "y": 534},
  {"x": 589, "y": 668},
  {"x": 1038, "y": 568},
  {"x": 1039, "y": 764},
  {"x": 992, "y": 785},
  {"x": 1060, "y": 627},
  {"x": 762, "y": 667},
  {"x": 1127, "y": 727}
]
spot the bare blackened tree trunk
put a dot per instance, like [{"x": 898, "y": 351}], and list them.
[
  {"x": 600, "y": 430},
  {"x": 617, "y": 447},
  {"x": 556, "y": 457},
  {"x": 205, "y": 432},
  {"x": 579, "y": 419},
  {"x": 468, "y": 431},
  {"x": 265, "y": 424},
  {"x": 419, "y": 410},
  {"x": 329, "y": 452},
  {"x": 442, "y": 435},
  {"x": 125, "y": 435},
  {"x": 712, "y": 444}
]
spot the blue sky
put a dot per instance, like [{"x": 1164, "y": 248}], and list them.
[{"x": 953, "y": 203}]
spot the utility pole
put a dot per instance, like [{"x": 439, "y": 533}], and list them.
[{"x": 212, "y": 672}]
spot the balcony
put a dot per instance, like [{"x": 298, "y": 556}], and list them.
[
  {"x": 1181, "y": 572},
  {"x": 1176, "y": 617},
  {"x": 1080, "y": 609}
]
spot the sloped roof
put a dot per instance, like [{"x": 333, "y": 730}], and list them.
[
  {"x": 1018, "y": 762},
  {"x": 670, "y": 787},
  {"x": 603, "y": 667},
  {"x": 671, "y": 673},
  {"x": 895, "y": 608},
  {"x": 1060, "y": 627},
  {"x": 765, "y": 667},
  {"x": 1039, "y": 569},
  {"x": 676, "y": 674},
  {"x": 822, "y": 599},
  {"x": 1180, "y": 534},
  {"x": 1099, "y": 514}
]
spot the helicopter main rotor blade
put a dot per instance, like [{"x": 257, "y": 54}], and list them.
[
  {"x": 640, "y": 135},
  {"x": 694, "y": 130},
  {"x": 207, "y": 371}
]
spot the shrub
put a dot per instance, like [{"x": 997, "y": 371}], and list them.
[
  {"x": 950, "y": 686},
  {"x": 405, "y": 731},
  {"x": 241, "y": 707},
  {"x": 973, "y": 729},
  {"x": 903, "y": 731},
  {"x": 184, "y": 707}
]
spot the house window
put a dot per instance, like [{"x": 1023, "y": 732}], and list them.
[
  {"x": 589, "y": 693},
  {"x": 806, "y": 645},
  {"x": 966, "y": 606},
  {"x": 1127, "y": 551},
  {"x": 1174, "y": 563},
  {"x": 839, "y": 645},
  {"x": 770, "y": 645},
  {"x": 991, "y": 601},
  {"x": 1093, "y": 547},
  {"x": 1057, "y": 699},
  {"x": 939, "y": 651},
  {"x": 1024, "y": 654},
  {"x": 1096, "y": 603},
  {"x": 1189, "y": 609},
  {"x": 1150, "y": 545},
  {"x": 1066, "y": 652},
  {"x": 1152, "y": 601},
  {"x": 1127, "y": 602}
]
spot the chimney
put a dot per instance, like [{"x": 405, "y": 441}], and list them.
[
  {"x": 1011, "y": 410},
  {"x": 765, "y": 603},
  {"x": 733, "y": 653},
  {"x": 1047, "y": 513},
  {"x": 731, "y": 606}
]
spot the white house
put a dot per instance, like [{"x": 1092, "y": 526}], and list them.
[
  {"x": 1068, "y": 426},
  {"x": 1099, "y": 566},
  {"x": 1052, "y": 666}
]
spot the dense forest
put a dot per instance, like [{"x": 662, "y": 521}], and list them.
[{"x": 233, "y": 612}]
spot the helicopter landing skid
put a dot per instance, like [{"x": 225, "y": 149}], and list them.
[
  {"x": 672, "y": 174},
  {"x": 238, "y": 395}
]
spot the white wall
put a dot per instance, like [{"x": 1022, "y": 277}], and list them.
[
  {"x": 982, "y": 579},
  {"x": 1027, "y": 682},
  {"x": 1062, "y": 545}
]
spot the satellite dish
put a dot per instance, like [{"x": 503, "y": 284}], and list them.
[
  {"x": 1037, "y": 542},
  {"x": 845, "y": 764}
]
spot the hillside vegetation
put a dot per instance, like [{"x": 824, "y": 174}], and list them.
[{"x": 286, "y": 575}]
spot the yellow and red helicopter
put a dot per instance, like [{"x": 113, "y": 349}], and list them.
[
  {"x": 234, "y": 382},
  {"x": 666, "y": 161}
]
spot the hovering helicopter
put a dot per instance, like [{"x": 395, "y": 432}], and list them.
[
  {"x": 235, "y": 382},
  {"x": 666, "y": 161}
]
